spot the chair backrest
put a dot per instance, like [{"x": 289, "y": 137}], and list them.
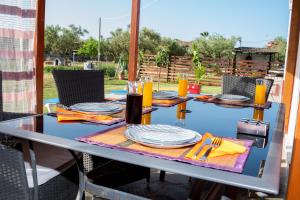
[
  {"x": 13, "y": 184},
  {"x": 79, "y": 86},
  {"x": 241, "y": 85}
]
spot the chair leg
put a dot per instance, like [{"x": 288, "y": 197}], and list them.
[
  {"x": 148, "y": 179},
  {"x": 162, "y": 176}
]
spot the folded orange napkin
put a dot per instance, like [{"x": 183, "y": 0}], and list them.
[
  {"x": 204, "y": 97},
  {"x": 164, "y": 101},
  {"x": 227, "y": 147},
  {"x": 68, "y": 115}
]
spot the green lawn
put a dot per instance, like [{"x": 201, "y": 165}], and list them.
[{"x": 50, "y": 88}]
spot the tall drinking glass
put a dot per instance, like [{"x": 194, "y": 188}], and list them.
[
  {"x": 182, "y": 85},
  {"x": 260, "y": 92},
  {"x": 134, "y": 103},
  {"x": 147, "y": 91}
]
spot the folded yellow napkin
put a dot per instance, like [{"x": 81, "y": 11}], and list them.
[
  {"x": 68, "y": 115},
  {"x": 227, "y": 147}
]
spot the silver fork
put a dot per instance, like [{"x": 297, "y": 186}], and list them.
[{"x": 217, "y": 141}]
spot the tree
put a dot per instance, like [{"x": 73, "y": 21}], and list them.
[
  {"x": 174, "y": 46},
  {"x": 119, "y": 43},
  {"x": 162, "y": 59},
  {"x": 280, "y": 46},
  {"x": 51, "y": 37},
  {"x": 149, "y": 40},
  {"x": 215, "y": 45},
  {"x": 89, "y": 48},
  {"x": 63, "y": 41}
]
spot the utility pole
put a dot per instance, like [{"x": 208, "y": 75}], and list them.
[{"x": 99, "y": 40}]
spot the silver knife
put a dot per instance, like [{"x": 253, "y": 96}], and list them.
[
  {"x": 204, "y": 157},
  {"x": 208, "y": 141}
]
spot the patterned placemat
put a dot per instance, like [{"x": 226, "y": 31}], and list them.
[
  {"x": 211, "y": 99},
  {"x": 114, "y": 138}
]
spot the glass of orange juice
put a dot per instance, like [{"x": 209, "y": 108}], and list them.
[
  {"x": 147, "y": 91},
  {"x": 182, "y": 85},
  {"x": 258, "y": 114},
  {"x": 260, "y": 92}
]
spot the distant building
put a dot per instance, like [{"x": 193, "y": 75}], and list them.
[
  {"x": 55, "y": 61},
  {"x": 257, "y": 54}
]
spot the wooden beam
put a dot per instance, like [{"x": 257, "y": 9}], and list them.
[
  {"x": 39, "y": 54},
  {"x": 294, "y": 173},
  {"x": 134, "y": 40},
  {"x": 291, "y": 60}
]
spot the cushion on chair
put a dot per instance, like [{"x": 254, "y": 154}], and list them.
[{"x": 51, "y": 161}]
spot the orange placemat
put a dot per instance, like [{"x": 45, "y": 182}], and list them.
[
  {"x": 115, "y": 139},
  {"x": 65, "y": 115}
]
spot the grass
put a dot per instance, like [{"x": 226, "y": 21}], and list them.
[{"x": 111, "y": 84}]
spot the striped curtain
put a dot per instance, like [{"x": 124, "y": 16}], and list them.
[{"x": 17, "y": 31}]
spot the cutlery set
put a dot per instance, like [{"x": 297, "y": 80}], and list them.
[{"x": 216, "y": 142}]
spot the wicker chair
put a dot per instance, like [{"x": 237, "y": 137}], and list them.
[
  {"x": 80, "y": 86},
  {"x": 13, "y": 177},
  {"x": 77, "y": 86},
  {"x": 241, "y": 85},
  {"x": 14, "y": 185}
]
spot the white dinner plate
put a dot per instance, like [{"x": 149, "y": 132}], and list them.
[
  {"x": 232, "y": 98},
  {"x": 95, "y": 107},
  {"x": 164, "y": 95},
  {"x": 162, "y": 136}
]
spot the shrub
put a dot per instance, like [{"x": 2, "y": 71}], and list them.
[
  {"x": 108, "y": 69},
  {"x": 49, "y": 69}
]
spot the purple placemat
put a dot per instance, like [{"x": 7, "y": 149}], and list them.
[
  {"x": 242, "y": 104},
  {"x": 124, "y": 146}
]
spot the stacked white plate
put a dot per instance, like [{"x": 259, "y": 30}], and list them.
[
  {"x": 100, "y": 108},
  {"x": 164, "y": 95},
  {"x": 162, "y": 136},
  {"x": 232, "y": 98}
]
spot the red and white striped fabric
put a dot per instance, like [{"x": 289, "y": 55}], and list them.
[{"x": 17, "y": 29}]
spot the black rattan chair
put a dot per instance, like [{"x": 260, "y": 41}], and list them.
[
  {"x": 77, "y": 86},
  {"x": 80, "y": 86},
  {"x": 241, "y": 85},
  {"x": 13, "y": 178}
]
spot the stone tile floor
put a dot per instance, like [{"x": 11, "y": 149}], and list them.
[{"x": 178, "y": 187}]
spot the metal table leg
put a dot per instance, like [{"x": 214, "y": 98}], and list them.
[{"x": 98, "y": 190}]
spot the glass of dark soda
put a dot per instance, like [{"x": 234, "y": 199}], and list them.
[{"x": 134, "y": 102}]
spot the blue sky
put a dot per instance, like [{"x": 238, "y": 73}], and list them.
[{"x": 256, "y": 21}]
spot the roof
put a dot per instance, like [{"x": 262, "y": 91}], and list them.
[{"x": 254, "y": 50}]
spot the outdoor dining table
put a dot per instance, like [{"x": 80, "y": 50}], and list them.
[{"x": 203, "y": 117}]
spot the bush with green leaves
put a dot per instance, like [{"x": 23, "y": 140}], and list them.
[{"x": 49, "y": 69}]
